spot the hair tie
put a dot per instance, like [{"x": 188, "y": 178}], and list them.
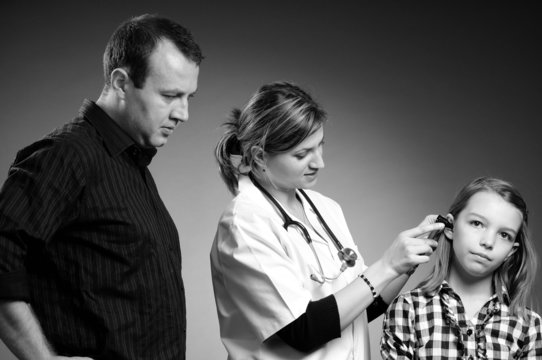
[{"x": 237, "y": 162}]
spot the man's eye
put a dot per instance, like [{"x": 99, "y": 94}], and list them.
[{"x": 476, "y": 223}]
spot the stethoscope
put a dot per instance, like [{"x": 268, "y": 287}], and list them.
[{"x": 346, "y": 255}]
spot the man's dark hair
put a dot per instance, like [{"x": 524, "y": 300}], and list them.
[{"x": 134, "y": 40}]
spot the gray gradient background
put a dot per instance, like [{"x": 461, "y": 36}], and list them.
[{"x": 422, "y": 97}]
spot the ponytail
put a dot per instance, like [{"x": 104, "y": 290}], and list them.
[{"x": 227, "y": 147}]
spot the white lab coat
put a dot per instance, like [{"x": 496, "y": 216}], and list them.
[{"x": 261, "y": 277}]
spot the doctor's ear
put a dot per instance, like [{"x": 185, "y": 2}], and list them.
[
  {"x": 258, "y": 156},
  {"x": 449, "y": 232}
]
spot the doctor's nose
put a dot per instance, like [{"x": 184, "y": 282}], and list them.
[{"x": 318, "y": 161}]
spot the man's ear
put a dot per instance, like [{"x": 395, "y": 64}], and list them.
[
  {"x": 449, "y": 233},
  {"x": 258, "y": 155},
  {"x": 119, "y": 80}
]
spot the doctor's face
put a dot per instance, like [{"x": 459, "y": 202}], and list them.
[{"x": 299, "y": 166}]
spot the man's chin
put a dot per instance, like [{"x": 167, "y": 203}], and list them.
[{"x": 157, "y": 143}]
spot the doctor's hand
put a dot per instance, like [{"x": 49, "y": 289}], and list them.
[{"x": 412, "y": 247}]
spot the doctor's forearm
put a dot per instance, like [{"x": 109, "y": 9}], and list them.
[
  {"x": 354, "y": 299},
  {"x": 394, "y": 288}
]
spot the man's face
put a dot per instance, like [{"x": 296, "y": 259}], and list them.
[{"x": 153, "y": 112}]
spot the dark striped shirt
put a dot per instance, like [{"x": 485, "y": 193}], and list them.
[{"x": 87, "y": 241}]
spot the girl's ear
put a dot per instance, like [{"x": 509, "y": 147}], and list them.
[
  {"x": 512, "y": 250},
  {"x": 449, "y": 233}
]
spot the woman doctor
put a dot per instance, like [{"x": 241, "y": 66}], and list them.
[{"x": 289, "y": 281}]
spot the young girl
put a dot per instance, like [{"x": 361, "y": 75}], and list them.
[{"x": 473, "y": 305}]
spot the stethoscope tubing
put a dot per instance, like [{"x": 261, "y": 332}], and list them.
[{"x": 288, "y": 221}]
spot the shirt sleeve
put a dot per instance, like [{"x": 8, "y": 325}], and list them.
[
  {"x": 533, "y": 346},
  {"x": 262, "y": 281},
  {"x": 398, "y": 336},
  {"x": 35, "y": 200},
  {"x": 377, "y": 308},
  {"x": 318, "y": 325}
]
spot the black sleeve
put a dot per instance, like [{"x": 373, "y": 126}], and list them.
[
  {"x": 14, "y": 287},
  {"x": 377, "y": 308},
  {"x": 319, "y": 324}
]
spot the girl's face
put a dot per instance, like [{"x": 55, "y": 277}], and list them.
[
  {"x": 484, "y": 234},
  {"x": 299, "y": 166}
]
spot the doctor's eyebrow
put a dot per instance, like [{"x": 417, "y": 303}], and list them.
[{"x": 312, "y": 147}]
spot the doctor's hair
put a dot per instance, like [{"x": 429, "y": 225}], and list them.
[
  {"x": 134, "y": 40},
  {"x": 279, "y": 116},
  {"x": 517, "y": 273}
]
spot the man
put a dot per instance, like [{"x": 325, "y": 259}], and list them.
[{"x": 90, "y": 262}]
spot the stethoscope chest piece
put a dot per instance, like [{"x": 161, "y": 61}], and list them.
[{"x": 348, "y": 257}]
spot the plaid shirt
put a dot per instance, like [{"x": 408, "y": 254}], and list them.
[{"x": 418, "y": 326}]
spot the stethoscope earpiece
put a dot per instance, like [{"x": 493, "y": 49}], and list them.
[{"x": 315, "y": 277}]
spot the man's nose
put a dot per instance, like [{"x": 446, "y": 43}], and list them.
[{"x": 180, "y": 112}]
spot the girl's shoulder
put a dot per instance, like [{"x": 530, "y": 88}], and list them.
[
  {"x": 414, "y": 296},
  {"x": 532, "y": 317},
  {"x": 417, "y": 299}
]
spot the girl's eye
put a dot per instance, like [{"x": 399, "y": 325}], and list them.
[
  {"x": 300, "y": 156},
  {"x": 506, "y": 236}
]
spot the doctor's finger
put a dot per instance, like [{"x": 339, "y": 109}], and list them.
[
  {"x": 429, "y": 219},
  {"x": 422, "y": 249},
  {"x": 420, "y": 230}
]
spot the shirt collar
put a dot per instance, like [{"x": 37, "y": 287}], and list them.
[
  {"x": 115, "y": 139},
  {"x": 445, "y": 288}
]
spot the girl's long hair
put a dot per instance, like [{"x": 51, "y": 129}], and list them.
[{"x": 517, "y": 273}]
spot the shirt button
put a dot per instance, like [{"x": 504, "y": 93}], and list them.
[{"x": 469, "y": 332}]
